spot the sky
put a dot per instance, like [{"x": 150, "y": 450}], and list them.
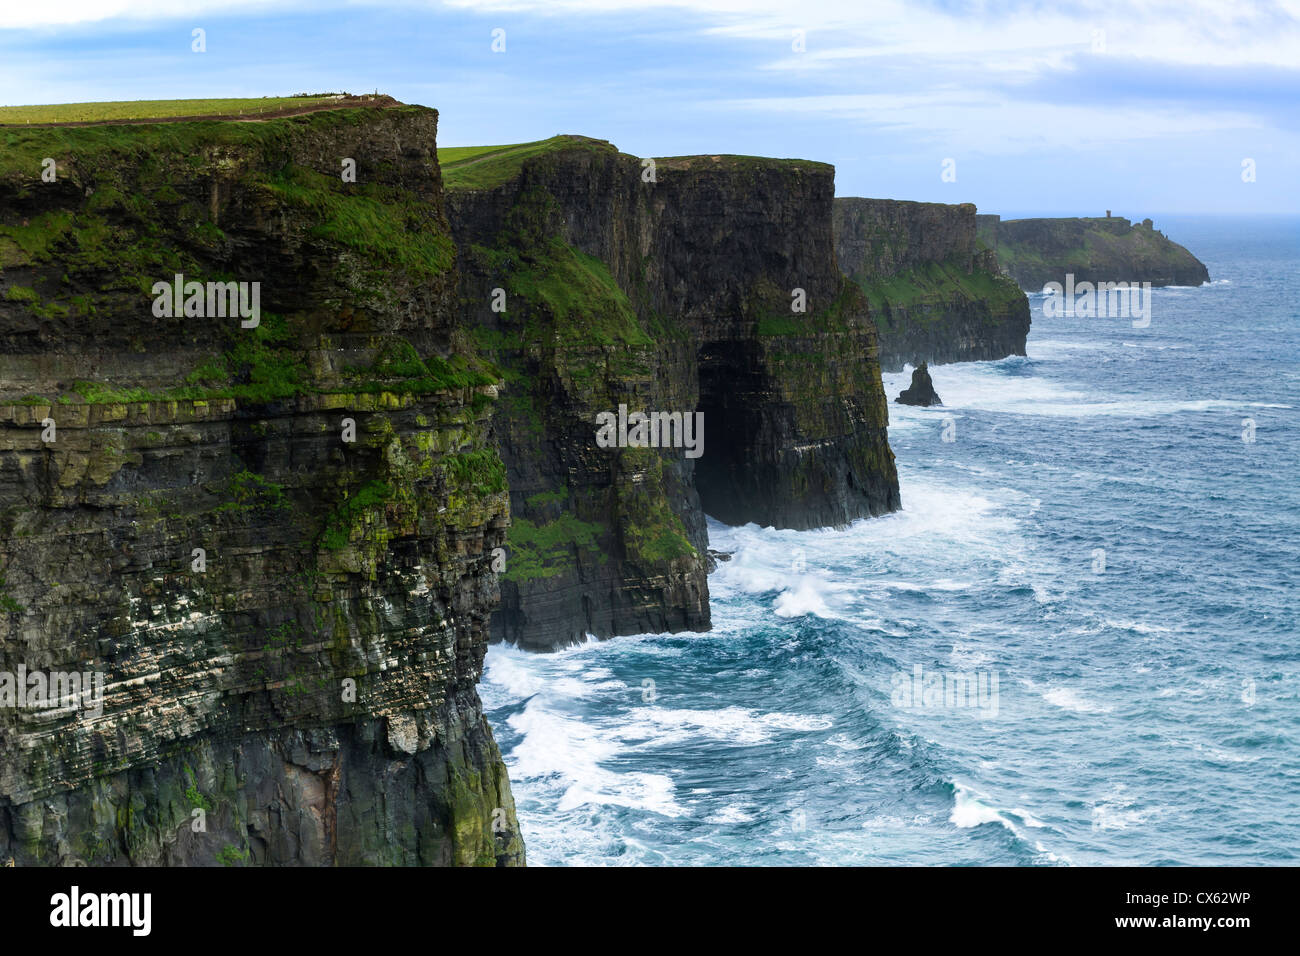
[{"x": 1023, "y": 108}]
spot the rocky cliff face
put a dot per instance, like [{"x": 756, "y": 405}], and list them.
[
  {"x": 594, "y": 283},
  {"x": 1110, "y": 249},
  {"x": 935, "y": 292},
  {"x": 289, "y": 624}
]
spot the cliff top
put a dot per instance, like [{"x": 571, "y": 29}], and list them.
[
  {"x": 73, "y": 144},
  {"x": 484, "y": 167},
  {"x": 905, "y": 203},
  {"x": 170, "y": 111},
  {"x": 1093, "y": 248},
  {"x": 1087, "y": 219},
  {"x": 734, "y": 161}
]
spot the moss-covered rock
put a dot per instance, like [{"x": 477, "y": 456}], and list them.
[
  {"x": 274, "y": 543},
  {"x": 935, "y": 291},
  {"x": 595, "y": 280},
  {"x": 1107, "y": 248}
]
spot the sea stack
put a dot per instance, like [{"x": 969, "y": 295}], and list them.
[{"x": 921, "y": 391}]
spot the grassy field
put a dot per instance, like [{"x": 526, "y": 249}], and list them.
[
  {"x": 482, "y": 167},
  {"x": 151, "y": 109}
]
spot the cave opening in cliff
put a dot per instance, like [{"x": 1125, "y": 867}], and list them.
[{"x": 730, "y": 391}]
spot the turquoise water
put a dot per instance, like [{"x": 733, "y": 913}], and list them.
[{"x": 1147, "y": 706}]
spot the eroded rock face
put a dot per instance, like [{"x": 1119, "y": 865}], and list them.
[
  {"x": 689, "y": 282},
  {"x": 936, "y": 293},
  {"x": 921, "y": 391},
  {"x": 1035, "y": 252},
  {"x": 301, "y": 688}
]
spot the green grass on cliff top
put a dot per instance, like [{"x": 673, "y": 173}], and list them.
[
  {"x": 483, "y": 167},
  {"x": 151, "y": 109},
  {"x": 1099, "y": 241},
  {"x": 107, "y": 148}
]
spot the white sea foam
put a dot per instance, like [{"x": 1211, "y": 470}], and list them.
[
  {"x": 968, "y": 657},
  {"x": 730, "y": 814},
  {"x": 804, "y": 722},
  {"x": 568, "y": 752},
  {"x": 890, "y": 822},
  {"x": 1219, "y": 755},
  {"x": 971, "y": 808},
  {"x": 563, "y": 756},
  {"x": 566, "y": 757},
  {"x": 638, "y": 791},
  {"x": 1042, "y": 595},
  {"x": 1139, "y": 627},
  {"x": 805, "y": 598},
  {"x": 968, "y": 811},
  {"x": 1115, "y": 811},
  {"x": 511, "y": 674},
  {"x": 658, "y": 726},
  {"x": 1067, "y": 698},
  {"x": 1046, "y": 348},
  {"x": 941, "y": 543}
]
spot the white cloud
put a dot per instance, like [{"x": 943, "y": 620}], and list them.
[
  {"x": 1211, "y": 32},
  {"x": 1208, "y": 32},
  {"x": 15, "y": 14},
  {"x": 1196, "y": 32},
  {"x": 974, "y": 123}
]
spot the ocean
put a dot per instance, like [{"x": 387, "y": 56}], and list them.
[{"x": 1076, "y": 644}]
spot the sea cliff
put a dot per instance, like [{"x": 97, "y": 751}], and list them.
[
  {"x": 1098, "y": 249},
  {"x": 935, "y": 292},
  {"x": 272, "y": 543},
  {"x": 695, "y": 284},
  {"x": 281, "y": 538}
]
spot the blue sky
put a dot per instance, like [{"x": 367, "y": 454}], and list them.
[{"x": 1143, "y": 107}]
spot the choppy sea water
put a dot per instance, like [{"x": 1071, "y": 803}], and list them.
[{"x": 1098, "y": 536}]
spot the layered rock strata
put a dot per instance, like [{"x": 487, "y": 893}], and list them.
[
  {"x": 270, "y": 536},
  {"x": 702, "y": 284},
  {"x": 936, "y": 292}
]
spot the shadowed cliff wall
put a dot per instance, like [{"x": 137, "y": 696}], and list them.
[
  {"x": 689, "y": 283},
  {"x": 935, "y": 292}
]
